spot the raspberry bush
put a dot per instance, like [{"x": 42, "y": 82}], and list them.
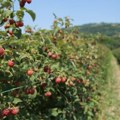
[{"x": 47, "y": 75}]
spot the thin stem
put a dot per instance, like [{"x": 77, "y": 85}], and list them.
[
  {"x": 16, "y": 88},
  {"x": 12, "y": 89}
]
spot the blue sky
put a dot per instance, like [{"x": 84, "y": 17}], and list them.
[{"x": 82, "y": 11}]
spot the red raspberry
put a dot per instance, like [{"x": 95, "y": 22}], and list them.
[
  {"x": 58, "y": 80},
  {"x": 6, "y": 112},
  {"x": 10, "y": 63},
  {"x": 2, "y": 51},
  {"x": 29, "y": 72},
  {"x": 14, "y": 110},
  {"x": 48, "y": 94}
]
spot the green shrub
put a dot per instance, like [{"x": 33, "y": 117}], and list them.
[
  {"x": 48, "y": 79},
  {"x": 47, "y": 75}
]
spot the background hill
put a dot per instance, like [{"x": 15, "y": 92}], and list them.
[{"x": 109, "y": 29}]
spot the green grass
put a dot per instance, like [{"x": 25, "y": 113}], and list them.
[{"x": 109, "y": 101}]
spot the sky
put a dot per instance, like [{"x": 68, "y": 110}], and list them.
[{"x": 81, "y": 11}]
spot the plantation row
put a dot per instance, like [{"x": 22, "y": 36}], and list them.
[
  {"x": 47, "y": 75},
  {"x": 46, "y": 78}
]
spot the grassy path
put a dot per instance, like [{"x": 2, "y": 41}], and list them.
[
  {"x": 111, "y": 101},
  {"x": 116, "y": 77}
]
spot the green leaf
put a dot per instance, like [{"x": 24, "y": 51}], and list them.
[
  {"x": 7, "y": 13},
  {"x": 55, "y": 112},
  {"x": 74, "y": 117},
  {"x": 73, "y": 64},
  {"x": 6, "y": 4},
  {"x": 17, "y": 100},
  {"x": 54, "y": 15},
  {"x": 20, "y": 14},
  {"x": 1, "y": 23},
  {"x": 17, "y": 33},
  {"x": 95, "y": 101},
  {"x": 31, "y": 13}
]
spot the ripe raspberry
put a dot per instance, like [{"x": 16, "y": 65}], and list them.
[
  {"x": 10, "y": 63},
  {"x": 49, "y": 54},
  {"x": 14, "y": 110},
  {"x": 2, "y": 51},
  {"x": 58, "y": 80},
  {"x": 11, "y": 21},
  {"x": 63, "y": 79},
  {"x": 47, "y": 69},
  {"x": 48, "y": 94},
  {"x": 32, "y": 90},
  {"x": 6, "y": 112},
  {"x": 28, "y": 1},
  {"x": 29, "y": 72}
]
